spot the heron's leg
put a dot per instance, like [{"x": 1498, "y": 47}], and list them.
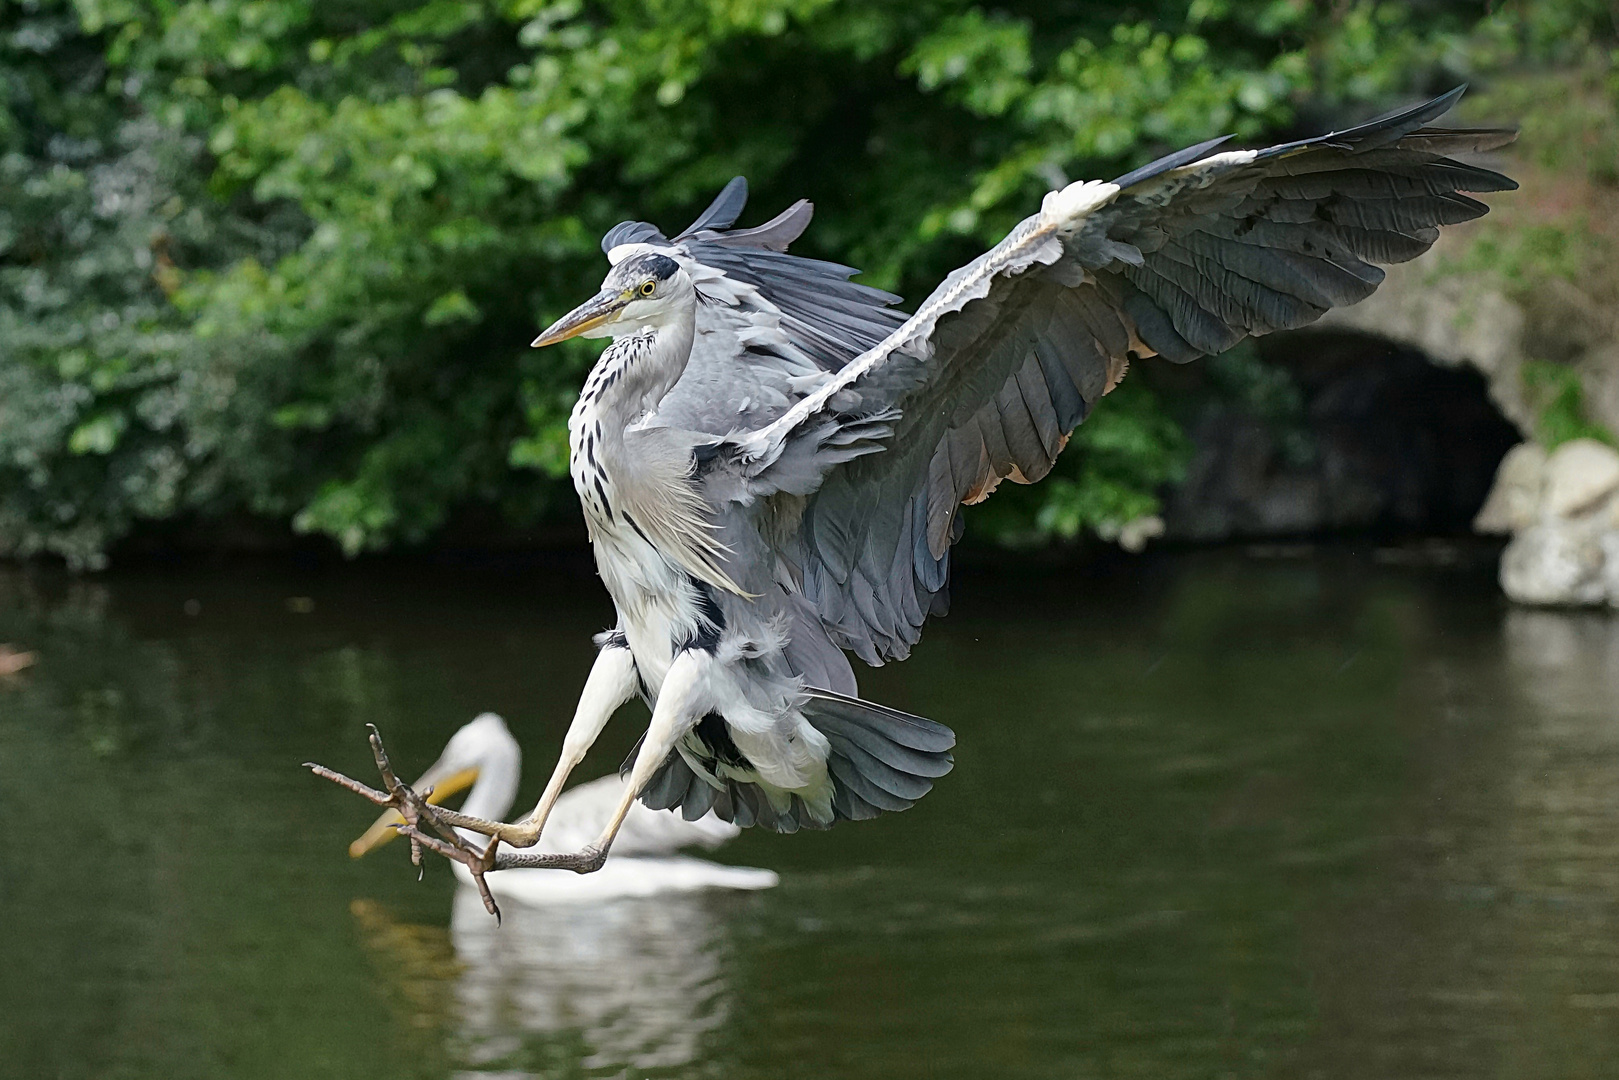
[
  {"x": 612, "y": 682},
  {"x": 683, "y": 700}
]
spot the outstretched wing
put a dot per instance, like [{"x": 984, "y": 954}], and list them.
[
  {"x": 771, "y": 326},
  {"x": 1181, "y": 258}
]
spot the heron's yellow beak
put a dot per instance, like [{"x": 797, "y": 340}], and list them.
[
  {"x": 599, "y": 309},
  {"x": 382, "y": 830}
]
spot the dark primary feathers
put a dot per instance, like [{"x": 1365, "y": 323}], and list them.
[{"x": 1183, "y": 257}]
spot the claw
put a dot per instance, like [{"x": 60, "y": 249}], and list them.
[
  {"x": 418, "y": 812},
  {"x": 477, "y": 863},
  {"x": 362, "y": 790}
]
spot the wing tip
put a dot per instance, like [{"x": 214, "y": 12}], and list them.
[
  {"x": 1185, "y": 156},
  {"x": 723, "y": 211}
]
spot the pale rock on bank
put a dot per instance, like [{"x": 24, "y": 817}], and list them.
[{"x": 1562, "y": 511}]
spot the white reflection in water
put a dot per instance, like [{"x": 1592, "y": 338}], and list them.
[
  {"x": 1562, "y": 838},
  {"x": 1569, "y": 661},
  {"x": 640, "y": 979},
  {"x": 624, "y": 961}
]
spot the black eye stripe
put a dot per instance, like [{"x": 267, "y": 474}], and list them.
[{"x": 660, "y": 266}]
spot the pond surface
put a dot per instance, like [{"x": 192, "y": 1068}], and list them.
[{"x": 1331, "y": 814}]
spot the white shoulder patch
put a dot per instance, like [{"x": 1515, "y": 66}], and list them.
[
  {"x": 1060, "y": 208},
  {"x": 624, "y": 251},
  {"x": 1217, "y": 163}
]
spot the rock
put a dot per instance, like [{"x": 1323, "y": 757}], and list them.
[
  {"x": 1564, "y": 321},
  {"x": 1379, "y": 439},
  {"x": 1455, "y": 320},
  {"x": 1136, "y": 532},
  {"x": 1514, "y": 500},
  {"x": 1610, "y": 568},
  {"x": 1599, "y": 376},
  {"x": 1580, "y": 474},
  {"x": 1555, "y": 564},
  {"x": 1564, "y": 509}
]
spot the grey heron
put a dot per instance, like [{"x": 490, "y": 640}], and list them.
[{"x": 771, "y": 458}]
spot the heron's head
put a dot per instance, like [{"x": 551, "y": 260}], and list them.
[{"x": 644, "y": 289}]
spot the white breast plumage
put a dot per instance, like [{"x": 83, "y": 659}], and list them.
[{"x": 657, "y": 601}]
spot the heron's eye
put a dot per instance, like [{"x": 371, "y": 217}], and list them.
[{"x": 647, "y": 288}]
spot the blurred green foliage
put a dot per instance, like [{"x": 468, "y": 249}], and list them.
[
  {"x": 1559, "y": 77},
  {"x": 1558, "y": 398},
  {"x": 282, "y": 258}
]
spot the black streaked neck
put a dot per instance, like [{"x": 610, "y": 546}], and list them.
[{"x": 636, "y": 371}]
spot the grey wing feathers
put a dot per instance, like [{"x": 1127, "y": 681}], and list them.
[
  {"x": 724, "y": 210},
  {"x": 1171, "y": 161},
  {"x": 631, "y": 232},
  {"x": 829, "y": 317},
  {"x": 1248, "y": 243},
  {"x": 721, "y": 214},
  {"x": 1183, "y": 257},
  {"x": 769, "y": 324}
]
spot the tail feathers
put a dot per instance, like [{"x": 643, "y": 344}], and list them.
[
  {"x": 915, "y": 732},
  {"x": 677, "y": 785},
  {"x": 882, "y": 759}
]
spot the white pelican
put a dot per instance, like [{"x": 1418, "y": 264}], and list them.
[{"x": 485, "y": 757}]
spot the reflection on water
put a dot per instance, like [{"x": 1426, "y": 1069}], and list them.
[
  {"x": 638, "y": 979},
  {"x": 631, "y": 981},
  {"x": 1333, "y": 816}
]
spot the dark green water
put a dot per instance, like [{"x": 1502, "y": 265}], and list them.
[{"x": 1213, "y": 816}]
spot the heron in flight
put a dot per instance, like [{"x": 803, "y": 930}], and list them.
[{"x": 772, "y": 458}]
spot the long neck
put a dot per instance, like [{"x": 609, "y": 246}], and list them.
[
  {"x": 495, "y": 789},
  {"x": 630, "y": 379},
  {"x": 635, "y": 483},
  {"x": 636, "y": 371}
]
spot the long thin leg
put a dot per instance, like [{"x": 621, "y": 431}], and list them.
[
  {"x": 684, "y": 699},
  {"x": 612, "y": 682}
]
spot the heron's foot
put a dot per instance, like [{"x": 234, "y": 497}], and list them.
[
  {"x": 416, "y": 810},
  {"x": 495, "y": 858},
  {"x": 523, "y": 834},
  {"x": 587, "y": 861}
]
